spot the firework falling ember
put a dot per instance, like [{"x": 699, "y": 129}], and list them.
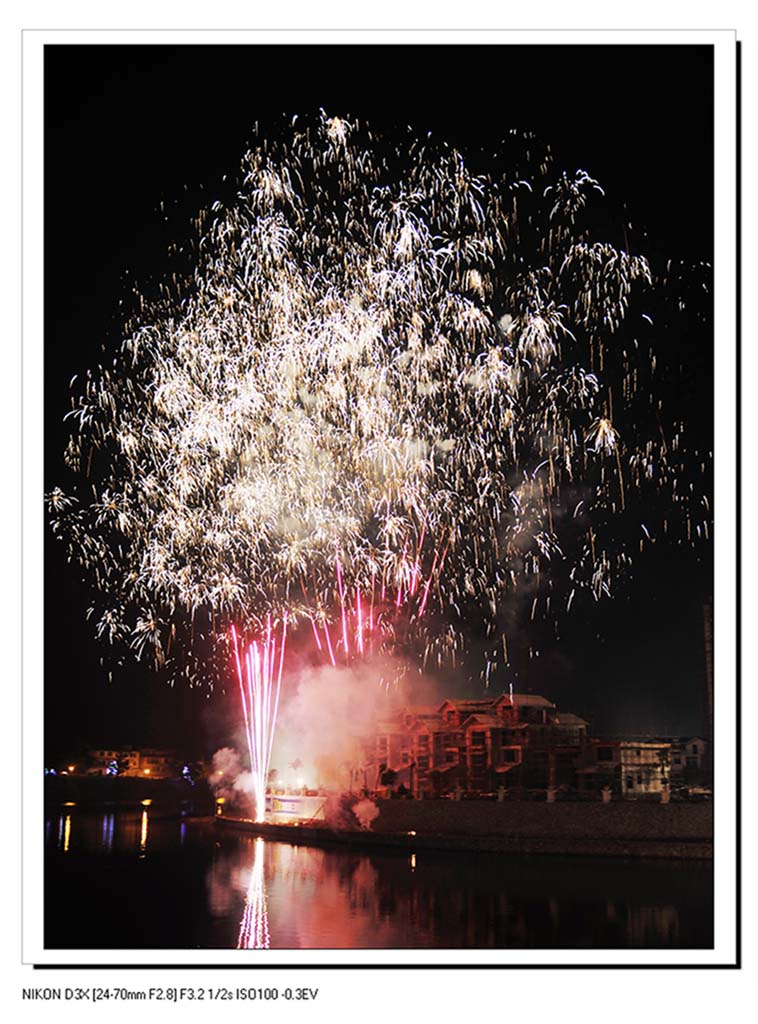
[
  {"x": 259, "y": 673},
  {"x": 375, "y": 623},
  {"x": 384, "y": 352}
]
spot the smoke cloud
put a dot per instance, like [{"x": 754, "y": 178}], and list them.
[
  {"x": 327, "y": 714},
  {"x": 327, "y": 721},
  {"x": 229, "y": 780},
  {"x": 365, "y": 811}
]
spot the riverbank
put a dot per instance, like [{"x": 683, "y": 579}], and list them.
[
  {"x": 622, "y": 829},
  {"x": 165, "y": 797}
]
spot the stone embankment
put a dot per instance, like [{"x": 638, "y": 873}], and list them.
[{"x": 621, "y": 829}]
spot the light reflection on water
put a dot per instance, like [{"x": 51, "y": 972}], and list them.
[
  {"x": 185, "y": 884},
  {"x": 254, "y": 927},
  {"x": 143, "y": 833},
  {"x": 109, "y": 821}
]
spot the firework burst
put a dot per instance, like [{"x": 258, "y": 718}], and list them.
[{"x": 384, "y": 353}]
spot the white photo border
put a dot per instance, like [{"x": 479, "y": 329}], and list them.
[{"x": 725, "y": 951}]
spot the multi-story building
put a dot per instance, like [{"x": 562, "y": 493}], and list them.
[
  {"x": 522, "y": 741},
  {"x": 514, "y": 740},
  {"x": 628, "y": 767}
]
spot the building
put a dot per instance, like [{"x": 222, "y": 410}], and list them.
[
  {"x": 628, "y": 767},
  {"x": 101, "y": 762},
  {"x": 480, "y": 746},
  {"x": 133, "y": 763},
  {"x": 157, "y": 764},
  {"x": 689, "y": 761},
  {"x": 523, "y": 743}
]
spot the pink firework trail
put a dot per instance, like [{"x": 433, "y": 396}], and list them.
[
  {"x": 259, "y": 673},
  {"x": 365, "y": 630},
  {"x": 365, "y": 625}
]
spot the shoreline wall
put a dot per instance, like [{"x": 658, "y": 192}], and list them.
[
  {"x": 566, "y": 819},
  {"x": 625, "y": 830}
]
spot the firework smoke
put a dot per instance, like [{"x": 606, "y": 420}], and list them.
[{"x": 326, "y": 718}]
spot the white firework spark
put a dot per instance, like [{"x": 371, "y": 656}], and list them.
[{"x": 381, "y": 351}]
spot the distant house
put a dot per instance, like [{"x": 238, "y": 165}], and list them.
[
  {"x": 522, "y": 742},
  {"x": 102, "y": 762},
  {"x": 133, "y": 763},
  {"x": 157, "y": 764},
  {"x": 630, "y": 768},
  {"x": 689, "y": 760},
  {"x": 572, "y": 728}
]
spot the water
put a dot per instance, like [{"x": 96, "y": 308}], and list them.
[{"x": 125, "y": 880}]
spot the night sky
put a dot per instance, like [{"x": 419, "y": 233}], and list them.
[{"x": 137, "y": 140}]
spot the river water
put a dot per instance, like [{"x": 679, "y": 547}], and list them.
[{"x": 125, "y": 880}]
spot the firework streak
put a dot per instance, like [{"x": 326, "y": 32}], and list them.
[
  {"x": 259, "y": 673},
  {"x": 365, "y": 631}
]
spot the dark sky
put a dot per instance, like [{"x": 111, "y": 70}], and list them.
[{"x": 130, "y": 128}]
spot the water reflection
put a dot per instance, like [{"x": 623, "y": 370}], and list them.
[
  {"x": 254, "y": 925},
  {"x": 143, "y": 833},
  {"x": 109, "y": 822},
  {"x": 300, "y": 897},
  {"x": 185, "y": 883},
  {"x": 108, "y": 832}
]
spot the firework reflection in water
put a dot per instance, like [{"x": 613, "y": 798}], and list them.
[{"x": 254, "y": 925}]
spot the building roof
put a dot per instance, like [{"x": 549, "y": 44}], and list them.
[
  {"x": 431, "y": 726},
  {"x": 644, "y": 743},
  {"x": 569, "y": 718},
  {"x": 464, "y": 704},
  {"x": 678, "y": 739},
  {"x": 491, "y": 720},
  {"x": 525, "y": 699},
  {"x": 647, "y": 737}
]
